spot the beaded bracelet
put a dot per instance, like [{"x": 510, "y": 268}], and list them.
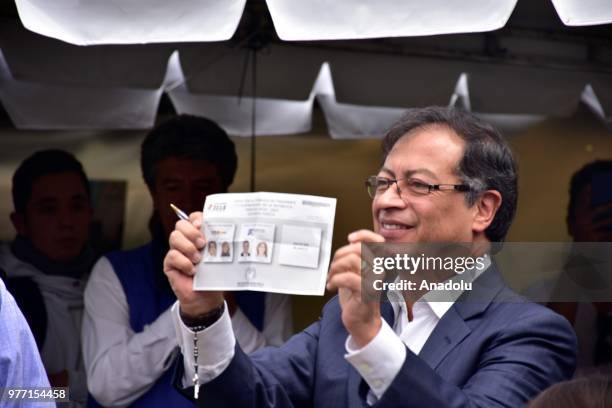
[{"x": 196, "y": 325}]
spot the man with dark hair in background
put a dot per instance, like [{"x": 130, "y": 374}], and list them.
[
  {"x": 589, "y": 220},
  {"x": 128, "y": 335},
  {"x": 447, "y": 177},
  {"x": 48, "y": 262}
]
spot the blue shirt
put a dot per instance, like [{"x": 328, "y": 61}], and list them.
[{"x": 20, "y": 363}]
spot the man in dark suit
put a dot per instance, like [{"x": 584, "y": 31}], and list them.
[{"x": 447, "y": 177}]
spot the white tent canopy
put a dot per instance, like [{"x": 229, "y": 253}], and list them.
[
  {"x": 361, "y": 89},
  {"x": 584, "y": 12},
  {"x": 36, "y": 105},
  {"x": 88, "y": 22}
]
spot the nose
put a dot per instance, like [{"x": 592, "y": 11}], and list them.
[
  {"x": 66, "y": 218},
  {"x": 186, "y": 200},
  {"x": 392, "y": 197},
  {"x": 196, "y": 200}
]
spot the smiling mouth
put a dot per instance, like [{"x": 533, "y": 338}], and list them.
[
  {"x": 68, "y": 241},
  {"x": 389, "y": 226}
]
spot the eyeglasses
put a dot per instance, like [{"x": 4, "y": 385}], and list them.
[{"x": 378, "y": 185}]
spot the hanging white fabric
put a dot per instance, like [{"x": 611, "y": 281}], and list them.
[
  {"x": 87, "y": 22},
  {"x": 234, "y": 114},
  {"x": 584, "y": 12},
  {"x": 33, "y": 105},
  {"x": 298, "y": 20},
  {"x": 590, "y": 99}
]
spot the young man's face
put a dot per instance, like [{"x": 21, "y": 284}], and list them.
[
  {"x": 429, "y": 155},
  {"x": 590, "y": 224},
  {"x": 57, "y": 217},
  {"x": 185, "y": 183}
]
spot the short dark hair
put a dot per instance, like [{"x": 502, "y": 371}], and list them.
[
  {"x": 192, "y": 137},
  {"x": 487, "y": 163},
  {"x": 41, "y": 163},
  {"x": 593, "y": 391},
  {"x": 583, "y": 178}
]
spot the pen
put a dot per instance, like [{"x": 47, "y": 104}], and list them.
[{"x": 181, "y": 214}]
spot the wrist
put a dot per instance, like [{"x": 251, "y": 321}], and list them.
[
  {"x": 191, "y": 308},
  {"x": 366, "y": 333},
  {"x": 203, "y": 320}
]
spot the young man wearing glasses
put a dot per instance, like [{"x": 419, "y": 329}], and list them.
[{"x": 447, "y": 177}]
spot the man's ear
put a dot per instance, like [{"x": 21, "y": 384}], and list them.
[
  {"x": 486, "y": 207},
  {"x": 18, "y": 220},
  {"x": 151, "y": 191}
]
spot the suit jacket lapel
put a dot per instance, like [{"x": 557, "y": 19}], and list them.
[
  {"x": 449, "y": 331},
  {"x": 452, "y": 328}
]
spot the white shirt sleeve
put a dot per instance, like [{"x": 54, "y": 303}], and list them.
[
  {"x": 121, "y": 365},
  {"x": 218, "y": 342},
  {"x": 379, "y": 361}
]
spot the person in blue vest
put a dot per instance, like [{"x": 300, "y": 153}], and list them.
[{"x": 129, "y": 342}]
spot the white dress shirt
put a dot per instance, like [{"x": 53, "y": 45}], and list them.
[
  {"x": 378, "y": 362},
  {"x": 63, "y": 299},
  {"x": 122, "y": 365}
]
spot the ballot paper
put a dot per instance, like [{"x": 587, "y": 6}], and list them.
[{"x": 269, "y": 242}]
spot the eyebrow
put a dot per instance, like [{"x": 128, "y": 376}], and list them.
[
  {"x": 412, "y": 172},
  {"x": 52, "y": 199},
  {"x": 169, "y": 179},
  {"x": 45, "y": 201}
]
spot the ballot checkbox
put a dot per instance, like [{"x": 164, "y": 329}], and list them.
[{"x": 300, "y": 246}]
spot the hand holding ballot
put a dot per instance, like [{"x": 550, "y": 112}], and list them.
[
  {"x": 360, "y": 318},
  {"x": 186, "y": 245},
  {"x": 268, "y": 242}
]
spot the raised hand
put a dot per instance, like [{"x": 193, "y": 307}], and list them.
[
  {"x": 361, "y": 318},
  {"x": 186, "y": 244}
]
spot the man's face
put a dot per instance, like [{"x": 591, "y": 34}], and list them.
[
  {"x": 590, "y": 224},
  {"x": 57, "y": 216},
  {"x": 185, "y": 183},
  {"x": 430, "y": 156}
]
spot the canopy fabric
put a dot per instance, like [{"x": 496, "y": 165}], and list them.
[
  {"x": 49, "y": 84},
  {"x": 234, "y": 113},
  {"x": 34, "y": 105},
  {"x": 584, "y": 12},
  {"x": 298, "y": 20},
  {"x": 88, "y": 22},
  {"x": 36, "y": 58}
]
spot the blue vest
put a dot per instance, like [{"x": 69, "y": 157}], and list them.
[{"x": 137, "y": 273}]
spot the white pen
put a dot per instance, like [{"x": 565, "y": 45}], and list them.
[{"x": 180, "y": 213}]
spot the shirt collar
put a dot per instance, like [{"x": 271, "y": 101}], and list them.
[{"x": 429, "y": 299}]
